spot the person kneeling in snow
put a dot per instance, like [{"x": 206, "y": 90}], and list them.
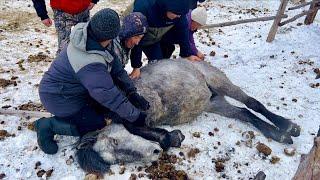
[
  {"x": 196, "y": 18},
  {"x": 86, "y": 83}
]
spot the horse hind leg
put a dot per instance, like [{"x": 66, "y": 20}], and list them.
[
  {"x": 219, "y": 83},
  {"x": 283, "y": 123},
  {"x": 220, "y": 106}
]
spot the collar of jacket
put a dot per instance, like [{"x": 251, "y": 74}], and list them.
[{"x": 80, "y": 40}]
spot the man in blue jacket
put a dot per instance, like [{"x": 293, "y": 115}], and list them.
[
  {"x": 85, "y": 83},
  {"x": 162, "y": 16}
]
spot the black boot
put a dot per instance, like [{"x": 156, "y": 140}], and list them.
[{"x": 46, "y": 128}]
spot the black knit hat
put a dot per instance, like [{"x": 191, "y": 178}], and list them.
[
  {"x": 132, "y": 25},
  {"x": 105, "y": 24}
]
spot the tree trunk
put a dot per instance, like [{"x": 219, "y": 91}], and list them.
[{"x": 309, "y": 167}]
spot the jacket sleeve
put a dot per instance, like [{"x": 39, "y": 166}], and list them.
[
  {"x": 183, "y": 36},
  {"x": 98, "y": 81},
  {"x": 40, "y": 6},
  {"x": 193, "y": 47},
  {"x": 121, "y": 78},
  {"x": 136, "y": 56}
]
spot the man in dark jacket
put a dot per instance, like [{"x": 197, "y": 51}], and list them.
[
  {"x": 193, "y": 3},
  {"x": 162, "y": 16},
  {"x": 196, "y": 18},
  {"x": 66, "y": 13},
  {"x": 85, "y": 83}
]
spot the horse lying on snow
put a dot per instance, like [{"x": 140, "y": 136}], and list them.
[{"x": 178, "y": 92}]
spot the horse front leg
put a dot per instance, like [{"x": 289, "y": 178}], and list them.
[{"x": 165, "y": 138}]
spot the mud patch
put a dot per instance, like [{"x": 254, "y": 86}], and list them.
[
  {"x": 4, "y": 83},
  {"x": 39, "y": 57},
  {"x": 164, "y": 168},
  {"x": 31, "y": 106},
  {"x": 4, "y": 134},
  {"x": 17, "y": 21}
]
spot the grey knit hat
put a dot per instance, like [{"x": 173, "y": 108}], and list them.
[{"x": 105, "y": 24}]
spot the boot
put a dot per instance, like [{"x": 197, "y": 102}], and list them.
[{"x": 46, "y": 128}]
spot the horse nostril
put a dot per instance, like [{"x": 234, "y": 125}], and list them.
[{"x": 156, "y": 151}]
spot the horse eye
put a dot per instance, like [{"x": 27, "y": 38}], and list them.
[
  {"x": 115, "y": 141},
  {"x": 156, "y": 151}
]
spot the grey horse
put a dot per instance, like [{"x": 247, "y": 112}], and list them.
[{"x": 179, "y": 91}]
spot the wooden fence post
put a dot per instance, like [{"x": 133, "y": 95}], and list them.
[
  {"x": 276, "y": 22},
  {"x": 310, "y": 17}
]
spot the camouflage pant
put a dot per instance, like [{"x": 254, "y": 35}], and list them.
[{"x": 63, "y": 23}]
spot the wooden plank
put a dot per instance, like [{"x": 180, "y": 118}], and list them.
[
  {"x": 231, "y": 23},
  {"x": 310, "y": 17},
  {"x": 276, "y": 22},
  {"x": 300, "y": 5},
  {"x": 23, "y": 113},
  {"x": 294, "y": 18}
]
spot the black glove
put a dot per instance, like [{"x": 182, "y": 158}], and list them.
[
  {"x": 141, "y": 120},
  {"x": 139, "y": 101}
]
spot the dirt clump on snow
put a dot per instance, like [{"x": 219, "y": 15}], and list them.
[
  {"x": 39, "y": 58},
  {"x": 315, "y": 85},
  {"x": 290, "y": 151},
  {"x": 192, "y": 153},
  {"x": 264, "y": 149},
  {"x": 31, "y": 106},
  {"x": 317, "y": 71},
  {"x": 4, "y": 83},
  {"x": 4, "y": 134},
  {"x": 212, "y": 53},
  {"x": 2, "y": 175},
  {"x": 164, "y": 168},
  {"x": 274, "y": 159},
  {"x": 196, "y": 134}
]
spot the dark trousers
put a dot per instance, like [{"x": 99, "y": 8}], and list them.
[
  {"x": 167, "y": 49},
  {"x": 91, "y": 117},
  {"x": 153, "y": 52}
]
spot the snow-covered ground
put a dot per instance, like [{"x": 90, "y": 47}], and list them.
[{"x": 278, "y": 74}]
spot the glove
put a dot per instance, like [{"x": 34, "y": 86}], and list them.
[
  {"x": 139, "y": 101},
  {"x": 141, "y": 120}
]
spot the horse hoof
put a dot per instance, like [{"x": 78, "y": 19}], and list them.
[
  {"x": 176, "y": 138},
  {"x": 294, "y": 130},
  {"x": 286, "y": 138}
]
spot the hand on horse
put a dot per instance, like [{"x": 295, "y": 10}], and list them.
[{"x": 139, "y": 101}]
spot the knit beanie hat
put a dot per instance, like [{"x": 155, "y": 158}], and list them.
[
  {"x": 105, "y": 24},
  {"x": 179, "y": 7},
  {"x": 199, "y": 15},
  {"x": 132, "y": 25}
]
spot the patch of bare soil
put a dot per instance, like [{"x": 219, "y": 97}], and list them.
[
  {"x": 16, "y": 21},
  {"x": 4, "y": 83},
  {"x": 165, "y": 168},
  {"x": 39, "y": 57},
  {"x": 31, "y": 106},
  {"x": 4, "y": 134}
]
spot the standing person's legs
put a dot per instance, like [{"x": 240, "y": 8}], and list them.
[
  {"x": 167, "y": 49},
  {"x": 153, "y": 52},
  {"x": 63, "y": 23}
]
